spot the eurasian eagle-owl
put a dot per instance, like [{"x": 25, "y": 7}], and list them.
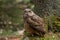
[{"x": 33, "y": 23}]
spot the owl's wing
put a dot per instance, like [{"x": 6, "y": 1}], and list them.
[
  {"x": 35, "y": 20},
  {"x": 38, "y": 19},
  {"x": 36, "y": 23}
]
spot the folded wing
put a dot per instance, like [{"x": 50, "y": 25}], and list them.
[{"x": 36, "y": 23}]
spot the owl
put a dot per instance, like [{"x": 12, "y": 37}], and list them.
[{"x": 33, "y": 24}]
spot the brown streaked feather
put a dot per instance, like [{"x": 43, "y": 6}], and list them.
[
  {"x": 36, "y": 26},
  {"x": 33, "y": 23},
  {"x": 29, "y": 29}
]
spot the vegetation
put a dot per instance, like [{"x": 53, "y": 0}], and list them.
[{"x": 11, "y": 16}]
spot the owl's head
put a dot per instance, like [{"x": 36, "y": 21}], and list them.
[{"x": 28, "y": 12}]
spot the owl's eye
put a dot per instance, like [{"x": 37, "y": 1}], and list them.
[{"x": 29, "y": 11}]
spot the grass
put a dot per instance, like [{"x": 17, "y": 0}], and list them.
[
  {"x": 48, "y": 36},
  {"x": 7, "y": 32}
]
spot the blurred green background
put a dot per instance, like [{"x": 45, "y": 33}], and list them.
[{"x": 11, "y": 14}]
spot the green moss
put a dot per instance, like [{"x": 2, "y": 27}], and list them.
[{"x": 53, "y": 22}]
